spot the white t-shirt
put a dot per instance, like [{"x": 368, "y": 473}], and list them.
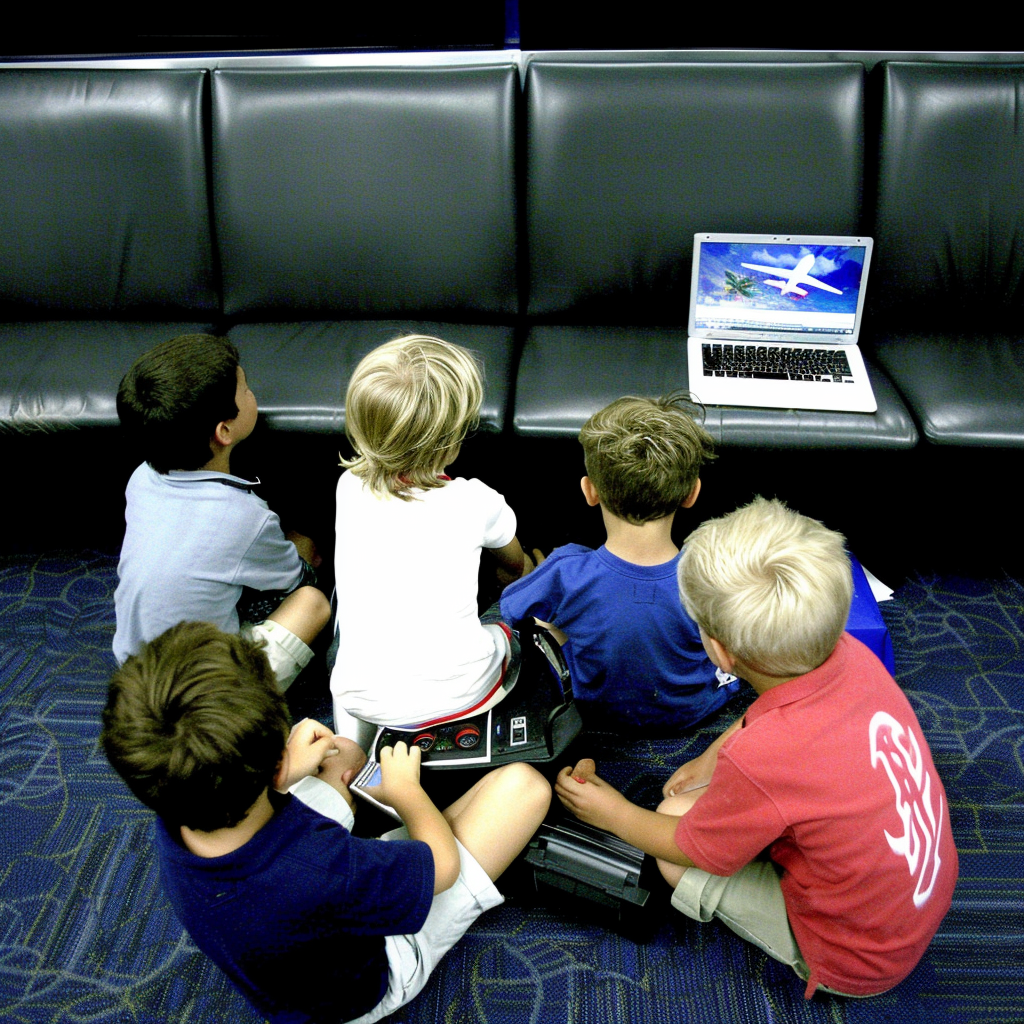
[{"x": 412, "y": 647}]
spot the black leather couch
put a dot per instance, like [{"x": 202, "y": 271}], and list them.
[
  {"x": 948, "y": 214},
  {"x": 544, "y": 218}
]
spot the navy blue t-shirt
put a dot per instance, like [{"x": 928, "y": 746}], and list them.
[
  {"x": 634, "y": 654},
  {"x": 296, "y": 916}
]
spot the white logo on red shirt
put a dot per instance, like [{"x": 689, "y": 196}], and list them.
[{"x": 899, "y": 753}]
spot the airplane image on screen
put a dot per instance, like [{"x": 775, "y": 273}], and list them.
[{"x": 796, "y": 277}]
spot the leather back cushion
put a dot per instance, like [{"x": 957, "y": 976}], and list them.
[
  {"x": 950, "y": 213},
  {"x": 366, "y": 192},
  {"x": 104, "y": 204},
  {"x": 626, "y": 162}
]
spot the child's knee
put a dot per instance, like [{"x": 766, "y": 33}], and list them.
[
  {"x": 527, "y": 789},
  {"x": 679, "y": 804},
  {"x": 305, "y": 612},
  {"x": 350, "y": 756},
  {"x": 315, "y": 606},
  {"x": 672, "y": 873}
]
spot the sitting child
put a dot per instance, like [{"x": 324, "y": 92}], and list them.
[
  {"x": 311, "y": 923},
  {"x": 412, "y": 648},
  {"x": 635, "y": 655},
  {"x": 195, "y": 536},
  {"x": 828, "y": 773}
]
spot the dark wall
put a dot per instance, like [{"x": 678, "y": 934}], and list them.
[
  {"x": 494, "y": 24},
  {"x": 227, "y": 28}
]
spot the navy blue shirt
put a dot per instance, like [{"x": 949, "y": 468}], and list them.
[
  {"x": 634, "y": 654},
  {"x": 296, "y": 916}
]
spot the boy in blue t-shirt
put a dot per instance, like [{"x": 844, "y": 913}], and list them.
[
  {"x": 310, "y": 922},
  {"x": 635, "y": 655}
]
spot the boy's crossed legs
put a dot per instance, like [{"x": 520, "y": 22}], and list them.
[
  {"x": 480, "y": 818},
  {"x": 749, "y": 903},
  {"x": 289, "y": 631},
  {"x": 489, "y": 839}
]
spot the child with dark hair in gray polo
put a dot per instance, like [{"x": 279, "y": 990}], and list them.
[{"x": 197, "y": 538}]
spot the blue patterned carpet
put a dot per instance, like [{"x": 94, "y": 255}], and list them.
[{"x": 86, "y": 935}]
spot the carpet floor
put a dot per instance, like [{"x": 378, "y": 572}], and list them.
[{"x": 87, "y": 936}]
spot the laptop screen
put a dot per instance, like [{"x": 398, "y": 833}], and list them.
[{"x": 782, "y": 287}]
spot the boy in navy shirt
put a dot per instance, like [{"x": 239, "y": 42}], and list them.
[
  {"x": 635, "y": 655},
  {"x": 311, "y": 923},
  {"x": 197, "y": 539}
]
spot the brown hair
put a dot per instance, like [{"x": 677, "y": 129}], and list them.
[
  {"x": 195, "y": 725},
  {"x": 174, "y": 395},
  {"x": 643, "y": 455}
]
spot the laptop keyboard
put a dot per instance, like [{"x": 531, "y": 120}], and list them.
[{"x": 771, "y": 362}]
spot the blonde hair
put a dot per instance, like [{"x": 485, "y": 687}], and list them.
[
  {"x": 643, "y": 455},
  {"x": 772, "y": 586},
  {"x": 409, "y": 405}
]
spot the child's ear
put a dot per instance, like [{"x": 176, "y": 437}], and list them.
[
  {"x": 221, "y": 435},
  {"x": 281, "y": 774},
  {"x": 693, "y": 495},
  {"x": 589, "y": 492},
  {"x": 719, "y": 655}
]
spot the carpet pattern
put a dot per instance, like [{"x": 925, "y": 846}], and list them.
[{"x": 86, "y": 935}]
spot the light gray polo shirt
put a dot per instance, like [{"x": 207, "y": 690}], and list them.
[{"x": 192, "y": 541}]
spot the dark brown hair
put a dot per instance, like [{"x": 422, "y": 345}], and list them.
[
  {"x": 195, "y": 725},
  {"x": 174, "y": 396}
]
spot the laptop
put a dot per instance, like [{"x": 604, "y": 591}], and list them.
[{"x": 774, "y": 322}]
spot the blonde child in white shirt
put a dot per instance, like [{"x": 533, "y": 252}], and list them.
[{"x": 413, "y": 650}]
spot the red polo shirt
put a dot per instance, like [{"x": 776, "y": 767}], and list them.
[{"x": 832, "y": 776}]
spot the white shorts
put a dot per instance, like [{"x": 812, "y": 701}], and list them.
[
  {"x": 287, "y": 654},
  {"x": 412, "y": 958}
]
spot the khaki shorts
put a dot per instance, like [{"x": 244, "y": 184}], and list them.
[
  {"x": 751, "y": 904},
  {"x": 412, "y": 958},
  {"x": 287, "y": 654}
]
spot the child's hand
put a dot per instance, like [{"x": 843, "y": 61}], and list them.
[
  {"x": 399, "y": 773},
  {"x": 588, "y": 796},
  {"x": 306, "y": 548},
  {"x": 307, "y": 746},
  {"x": 531, "y": 559},
  {"x": 513, "y": 562},
  {"x": 695, "y": 774}
]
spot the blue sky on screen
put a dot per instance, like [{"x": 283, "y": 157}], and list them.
[{"x": 836, "y": 265}]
